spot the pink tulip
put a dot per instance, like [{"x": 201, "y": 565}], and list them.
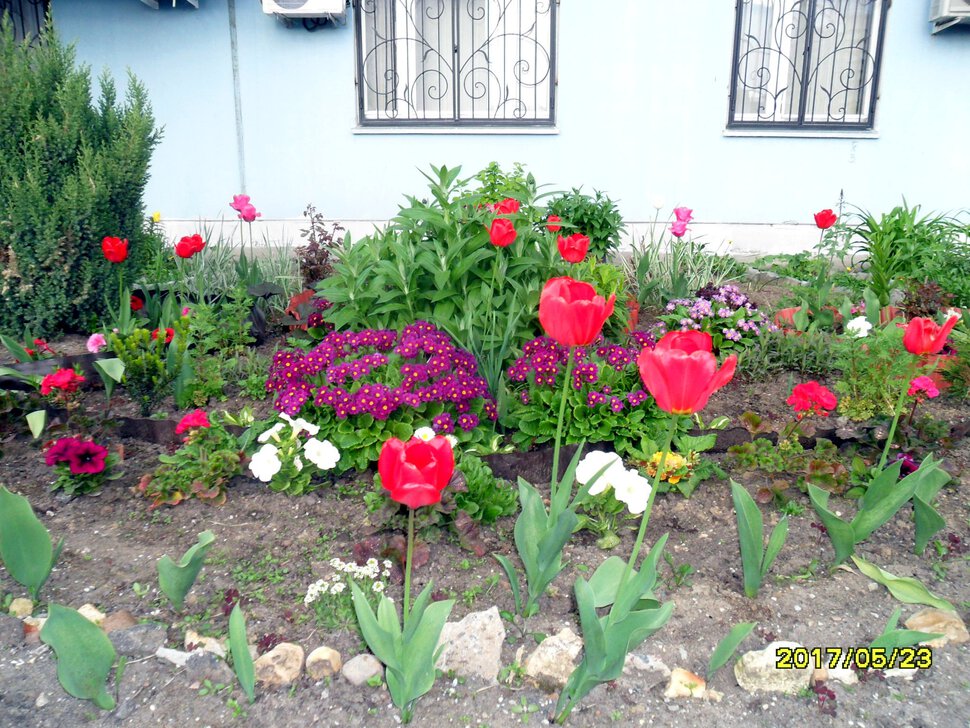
[
  {"x": 96, "y": 342},
  {"x": 248, "y": 213},
  {"x": 239, "y": 202},
  {"x": 683, "y": 214},
  {"x": 678, "y": 228}
]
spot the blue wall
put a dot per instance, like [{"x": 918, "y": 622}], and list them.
[{"x": 642, "y": 106}]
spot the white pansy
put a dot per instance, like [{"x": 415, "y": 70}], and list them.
[
  {"x": 592, "y": 463},
  {"x": 265, "y": 463},
  {"x": 632, "y": 489},
  {"x": 424, "y": 433},
  {"x": 272, "y": 432},
  {"x": 859, "y": 327},
  {"x": 321, "y": 453}
]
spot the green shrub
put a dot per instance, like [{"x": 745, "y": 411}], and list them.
[
  {"x": 872, "y": 370},
  {"x": 596, "y": 217},
  {"x": 72, "y": 171}
]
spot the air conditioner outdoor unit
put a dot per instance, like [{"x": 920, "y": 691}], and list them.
[
  {"x": 305, "y": 8},
  {"x": 944, "y": 13}
]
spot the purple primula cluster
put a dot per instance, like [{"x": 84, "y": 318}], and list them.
[
  {"x": 727, "y": 314},
  {"x": 595, "y": 368},
  {"x": 417, "y": 366},
  {"x": 315, "y": 319}
]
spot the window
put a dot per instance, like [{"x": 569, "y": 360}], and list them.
[
  {"x": 806, "y": 64},
  {"x": 456, "y": 62},
  {"x": 26, "y": 16}
]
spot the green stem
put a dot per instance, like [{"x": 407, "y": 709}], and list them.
[
  {"x": 407, "y": 566},
  {"x": 554, "y": 483},
  {"x": 671, "y": 430},
  {"x": 892, "y": 429}
]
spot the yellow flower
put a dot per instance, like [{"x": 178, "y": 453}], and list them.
[{"x": 156, "y": 216}]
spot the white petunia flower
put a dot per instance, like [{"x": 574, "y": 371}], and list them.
[
  {"x": 297, "y": 463},
  {"x": 950, "y": 313},
  {"x": 272, "y": 432},
  {"x": 592, "y": 463},
  {"x": 424, "y": 433},
  {"x": 859, "y": 327},
  {"x": 301, "y": 425},
  {"x": 632, "y": 489},
  {"x": 265, "y": 463},
  {"x": 321, "y": 453}
]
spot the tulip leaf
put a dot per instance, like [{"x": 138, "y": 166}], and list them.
[
  {"x": 25, "y": 545},
  {"x": 893, "y": 638},
  {"x": 242, "y": 661},
  {"x": 14, "y": 347},
  {"x": 36, "y": 421},
  {"x": 84, "y": 655},
  {"x": 727, "y": 646},
  {"x": 606, "y": 579},
  {"x": 840, "y": 532},
  {"x": 905, "y": 589},
  {"x": 175, "y": 580},
  {"x": 928, "y": 523}
]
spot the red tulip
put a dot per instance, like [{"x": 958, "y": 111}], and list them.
[
  {"x": 681, "y": 371},
  {"x": 571, "y": 312},
  {"x": 573, "y": 248},
  {"x": 812, "y": 397},
  {"x": 169, "y": 335},
  {"x": 552, "y": 223},
  {"x": 502, "y": 233},
  {"x": 923, "y": 336},
  {"x": 415, "y": 472},
  {"x": 196, "y": 418},
  {"x": 137, "y": 304},
  {"x": 115, "y": 249},
  {"x": 824, "y": 219},
  {"x": 189, "y": 246},
  {"x": 508, "y": 206}
]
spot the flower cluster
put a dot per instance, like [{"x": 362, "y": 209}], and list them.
[
  {"x": 812, "y": 397},
  {"x": 372, "y": 571},
  {"x": 279, "y": 461},
  {"x": 628, "y": 486},
  {"x": 61, "y": 383},
  {"x": 923, "y": 386},
  {"x": 676, "y": 466},
  {"x": 724, "y": 312},
  {"x": 315, "y": 319},
  {"x": 83, "y": 465}
]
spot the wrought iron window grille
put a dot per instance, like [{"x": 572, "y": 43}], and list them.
[
  {"x": 27, "y": 16},
  {"x": 452, "y": 63},
  {"x": 806, "y": 64}
]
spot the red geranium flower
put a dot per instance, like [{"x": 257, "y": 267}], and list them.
[
  {"x": 573, "y": 248},
  {"x": 414, "y": 473},
  {"x": 924, "y": 336},
  {"x": 824, "y": 219},
  {"x": 681, "y": 371},
  {"x": 63, "y": 380},
  {"x": 189, "y": 246},
  {"x": 169, "y": 334},
  {"x": 552, "y": 223},
  {"x": 502, "y": 232},
  {"x": 137, "y": 304},
  {"x": 571, "y": 311},
  {"x": 196, "y": 418},
  {"x": 115, "y": 249},
  {"x": 812, "y": 397}
]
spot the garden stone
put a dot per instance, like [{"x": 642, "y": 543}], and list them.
[
  {"x": 323, "y": 662},
  {"x": 358, "y": 670},
  {"x": 176, "y": 657},
  {"x": 756, "y": 671},
  {"x": 21, "y": 607},
  {"x": 280, "y": 666},
  {"x": 844, "y": 675},
  {"x": 142, "y": 640},
  {"x": 685, "y": 684},
  {"x": 473, "y": 646},
  {"x": 115, "y": 621},
  {"x": 644, "y": 672},
  {"x": 939, "y": 621},
  {"x": 92, "y": 614},
  {"x": 554, "y": 660},
  {"x": 202, "y": 665},
  {"x": 193, "y": 640}
]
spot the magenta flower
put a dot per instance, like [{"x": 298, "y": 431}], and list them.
[
  {"x": 88, "y": 458},
  {"x": 239, "y": 202},
  {"x": 96, "y": 342},
  {"x": 678, "y": 228},
  {"x": 248, "y": 213},
  {"x": 923, "y": 384},
  {"x": 683, "y": 214}
]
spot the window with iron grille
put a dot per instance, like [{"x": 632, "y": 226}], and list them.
[
  {"x": 26, "y": 16},
  {"x": 806, "y": 64},
  {"x": 456, "y": 62}
]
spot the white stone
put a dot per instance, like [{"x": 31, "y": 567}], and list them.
[
  {"x": 473, "y": 645},
  {"x": 21, "y": 607},
  {"x": 358, "y": 670},
  {"x": 282, "y": 665},
  {"x": 756, "y": 670},
  {"x": 685, "y": 684},
  {"x": 92, "y": 614},
  {"x": 553, "y": 661},
  {"x": 208, "y": 644},
  {"x": 176, "y": 657}
]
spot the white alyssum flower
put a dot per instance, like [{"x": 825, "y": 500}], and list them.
[
  {"x": 592, "y": 463},
  {"x": 266, "y": 463},
  {"x": 378, "y": 587},
  {"x": 633, "y": 490},
  {"x": 424, "y": 433},
  {"x": 321, "y": 453},
  {"x": 272, "y": 432},
  {"x": 859, "y": 327}
]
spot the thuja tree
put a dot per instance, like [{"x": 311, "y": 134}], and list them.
[{"x": 72, "y": 171}]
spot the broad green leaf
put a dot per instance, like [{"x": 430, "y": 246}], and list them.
[
  {"x": 905, "y": 589},
  {"x": 606, "y": 579},
  {"x": 25, "y": 545},
  {"x": 112, "y": 370},
  {"x": 840, "y": 532},
  {"x": 175, "y": 580},
  {"x": 727, "y": 646},
  {"x": 15, "y": 348},
  {"x": 594, "y": 639},
  {"x": 641, "y": 584},
  {"x": 777, "y": 539},
  {"x": 928, "y": 523},
  {"x": 513, "y": 578},
  {"x": 750, "y": 538},
  {"x": 242, "y": 661},
  {"x": 378, "y": 641},
  {"x": 37, "y": 421},
  {"x": 84, "y": 655},
  {"x": 690, "y": 443},
  {"x": 902, "y": 638}
]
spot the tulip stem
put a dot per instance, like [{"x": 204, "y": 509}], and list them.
[
  {"x": 407, "y": 566},
  {"x": 554, "y": 483},
  {"x": 628, "y": 569},
  {"x": 892, "y": 428}
]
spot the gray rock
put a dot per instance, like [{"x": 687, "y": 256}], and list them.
[
  {"x": 358, "y": 670},
  {"x": 176, "y": 657},
  {"x": 756, "y": 670},
  {"x": 142, "y": 640},
  {"x": 202, "y": 665},
  {"x": 554, "y": 660},
  {"x": 473, "y": 646}
]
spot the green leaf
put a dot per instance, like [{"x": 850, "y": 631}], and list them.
[
  {"x": 928, "y": 523},
  {"x": 690, "y": 443},
  {"x": 242, "y": 661},
  {"x": 25, "y": 545},
  {"x": 175, "y": 580},
  {"x": 905, "y": 589},
  {"x": 840, "y": 532},
  {"x": 750, "y": 538},
  {"x": 84, "y": 655},
  {"x": 777, "y": 539},
  {"x": 513, "y": 578},
  {"x": 727, "y": 646},
  {"x": 13, "y": 346},
  {"x": 111, "y": 370},
  {"x": 378, "y": 640},
  {"x": 37, "y": 421},
  {"x": 606, "y": 579}
]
